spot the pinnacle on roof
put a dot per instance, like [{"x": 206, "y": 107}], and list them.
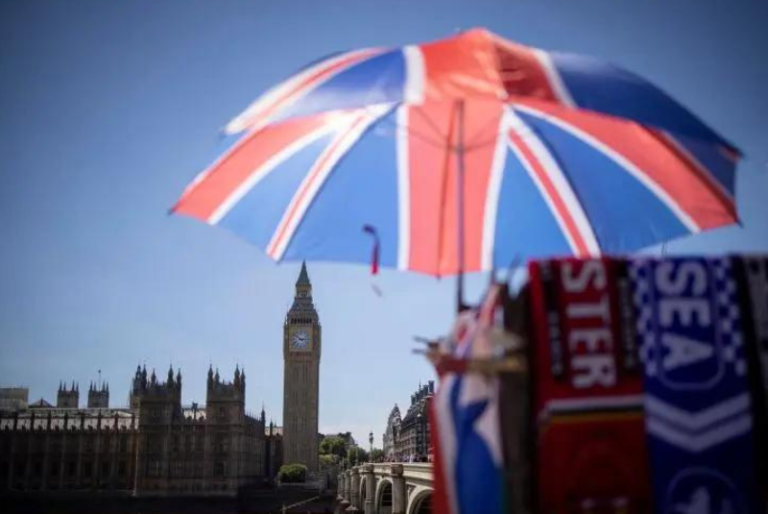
[{"x": 303, "y": 279}]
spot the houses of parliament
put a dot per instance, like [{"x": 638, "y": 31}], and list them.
[{"x": 156, "y": 445}]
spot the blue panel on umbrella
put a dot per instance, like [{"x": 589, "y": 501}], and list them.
[
  {"x": 256, "y": 216},
  {"x": 525, "y": 227},
  {"x": 361, "y": 190},
  {"x": 624, "y": 214},
  {"x": 600, "y": 86},
  {"x": 714, "y": 159},
  {"x": 376, "y": 80}
]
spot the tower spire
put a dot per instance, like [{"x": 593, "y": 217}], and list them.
[{"x": 303, "y": 279}]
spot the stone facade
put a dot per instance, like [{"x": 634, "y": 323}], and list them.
[
  {"x": 302, "y": 344},
  {"x": 13, "y": 398},
  {"x": 391, "y": 433},
  {"x": 98, "y": 396},
  {"x": 413, "y": 441},
  {"x": 153, "y": 447},
  {"x": 68, "y": 397},
  {"x": 274, "y": 450}
]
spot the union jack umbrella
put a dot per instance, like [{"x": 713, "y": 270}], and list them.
[{"x": 462, "y": 155}]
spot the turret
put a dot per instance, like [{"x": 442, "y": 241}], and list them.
[
  {"x": 229, "y": 396},
  {"x": 160, "y": 396},
  {"x": 98, "y": 396},
  {"x": 68, "y": 398}
]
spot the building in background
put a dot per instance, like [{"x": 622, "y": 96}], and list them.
[
  {"x": 413, "y": 440},
  {"x": 68, "y": 397},
  {"x": 391, "y": 433},
  {"x": 302, "y": 344},
  {"x": 273, "y": 454},
  {"x": 13, "y": 398},
  {"x": 155, "y": 446},
  {"x": 98, "y": 395}
]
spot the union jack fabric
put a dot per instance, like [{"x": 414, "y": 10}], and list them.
[
  {"x": 468, "y": 453},
  {"x": 563, "y": 155}
]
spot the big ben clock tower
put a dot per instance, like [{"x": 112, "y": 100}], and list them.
[{"x": 301, "y": 378}]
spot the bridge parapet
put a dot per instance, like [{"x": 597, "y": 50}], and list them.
[{"x": 386, "y": 488}]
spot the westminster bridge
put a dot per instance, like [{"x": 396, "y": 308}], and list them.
[{"x": 386, "y": 489}]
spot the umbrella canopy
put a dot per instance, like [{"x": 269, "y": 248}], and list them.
[{"x": 464, "y": 154}]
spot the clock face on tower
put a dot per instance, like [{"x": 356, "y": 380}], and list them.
[{"x": 300, "y": 340}]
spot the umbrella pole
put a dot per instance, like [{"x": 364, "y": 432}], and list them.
[{"x": 460, "y": 306}]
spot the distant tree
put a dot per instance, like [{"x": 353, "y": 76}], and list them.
[
  {"x": 377, "y": 455},
  {"x": 292, "y": 473},
  {"x": 329, "y": 460},
  {"x": 333, "y": 445},
  {"x": 357, "y": 455}
]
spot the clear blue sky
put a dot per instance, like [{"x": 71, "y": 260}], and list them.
[{"x": 109, "y": 108}]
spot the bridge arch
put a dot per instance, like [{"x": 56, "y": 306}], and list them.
[
  {"x": 363, "y": 494},
  {"x": 383, "y": 503},
  {"x": 421, "y": 503}
]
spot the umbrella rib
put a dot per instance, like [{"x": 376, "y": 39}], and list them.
[
  {"x": 426, "y": 139},
  {"x": 433, "y": 126}
]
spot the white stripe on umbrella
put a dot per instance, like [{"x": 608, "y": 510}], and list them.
[
  {"x": 403, "y": 189},
  {"x": 561, "y": 185},
  {"x": 357, "y": 123},
  {"x": 622, "y": 161},
  {"x": 553, "y": 76},
  {"x": 267, "y": 106},
  {"x": 492, "y": 194},
  {"x": 263, "y": 171},
  {"x": 414, "y": 74}
]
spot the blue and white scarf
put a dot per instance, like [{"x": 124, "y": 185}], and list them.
[{"x": 698, "y": 404}]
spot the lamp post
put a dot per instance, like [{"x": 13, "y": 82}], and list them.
[{"x": 370, "y": 448}]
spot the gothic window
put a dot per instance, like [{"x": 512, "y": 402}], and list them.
[
  {"x": 155, "y": 445},
  {"x": 153, "y": 468},
  {"x": 218, "y": 468}
]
